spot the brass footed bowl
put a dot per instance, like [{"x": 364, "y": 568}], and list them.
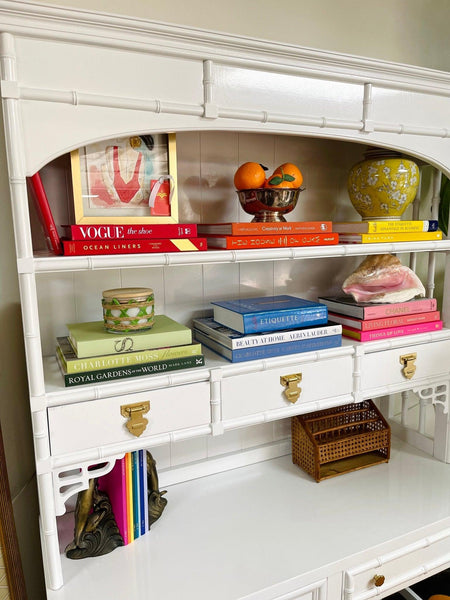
[{"x": 268, "y": 204}]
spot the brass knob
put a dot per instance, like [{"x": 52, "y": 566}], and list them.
[{"x": 378, "y": 580}]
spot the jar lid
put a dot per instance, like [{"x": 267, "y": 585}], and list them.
[{"x": 126, "y": 293}]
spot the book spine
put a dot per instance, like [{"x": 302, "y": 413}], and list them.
[
  {"x": 134, "y": 371},
  {"x": 385, "y": 226},
  {"x": 276, "y": 337},
  {"x": 399, "y": 308},
  {"x": 83, "y": 365},
  {"x": 374, "y": 238},
  {"x": 382, "y": 334},
  {"x": 272, "y": 241},
  {"x": 371, "y": 324},
  {"x": 136, "y": 495},
  {"x": 273, "y": 350},
  {"x": 45, "y": 214},
  {"x": 289, "y": 319},
  {"x": 271, "y": 228},
  {"x": 146, "y": 524},
  {"x": 142, "y": 491},
  {"x": 104, "y": 233},
  {"x": 129, "y": 489},
  {"x": 85, "y": 248}
]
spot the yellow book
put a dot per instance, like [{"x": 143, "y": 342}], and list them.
[
  {"x": 129, "y": 487},
  {"x": 373, "y": 238},
  {"x": 72, "y": 364},
  {"x": 384, "y": 226}
]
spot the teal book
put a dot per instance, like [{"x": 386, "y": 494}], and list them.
[
  {"x": 115, "y": 373},
  {"x": 91, "y": 338},
  {"x": 269, "y": 313}
]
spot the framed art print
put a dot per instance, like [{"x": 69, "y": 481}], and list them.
[{"x": 126, "y": 180}]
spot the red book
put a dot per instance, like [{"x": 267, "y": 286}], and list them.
[
  {"x": 80, "y": 248},
  {"x": 231, "y": 242},
  {"x": 129, "y": 232},
  {"x": 45, "y": 215},
  {"x": 264, "y": 228},
  {"x": 372, "y": 324},
  {"x": 114, "y": 484},
  {"x": 390, "y": 332}
]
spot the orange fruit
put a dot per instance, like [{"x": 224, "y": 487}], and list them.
[
  {"x": 286, "y": 175},
  {"x": 250, "y": 175}
]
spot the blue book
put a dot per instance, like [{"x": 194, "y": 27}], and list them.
[
  {"x": 270, "y": 313},
  {"x": 135, "y": 485},
  {"x": 271, "y": 350},
  {"x": 143, "y": 506}
]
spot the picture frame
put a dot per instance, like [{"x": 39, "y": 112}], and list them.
[{"x": 129, "y": 179}]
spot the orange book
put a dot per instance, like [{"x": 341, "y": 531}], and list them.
[
  {"x": 129, "y": 488},
  {"x": 231, "y": 242},
  {"x": 272, "y": 228}
]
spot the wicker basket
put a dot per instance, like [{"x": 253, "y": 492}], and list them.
[{"x": 330, "y": 442}]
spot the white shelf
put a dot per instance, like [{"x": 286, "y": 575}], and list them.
[
  {"x": 49, "y": 264},
  {"x": 230, "y": 534}
]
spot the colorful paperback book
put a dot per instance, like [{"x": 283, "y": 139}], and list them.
[
  {"x": 382, "y": 334},
  {"x": 375, "y": 238},
  {"x": 143, "y": 491},
  {"x": 384, "y": 226},
  {"x": 234, "y": 242},
  {"x": 136, "y": 494},
  {"x": 130, "y": 232},
  {"x": 233, "y": 340},
  {"x": 72, "y": 364},
  {"x": 91, "y": 338},
  {"x": 129, "y": 488},
  {"x": 346, "y": 305},
  {"x": 114, "y": 484},
  {"x": 371, "y": 324},
  {"x": 115, "y": 373},
  {"x": 272, "y": 228},
  {"x": 271, "y": 350},
  {"x": 142, "y": 246},
  {"x": 269, "y": 313}
]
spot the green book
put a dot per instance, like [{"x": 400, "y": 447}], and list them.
[
  {"x": 92, "y": 339},
  {"x": 72, "y": 364},
  {"x": 105, "y": 375}
]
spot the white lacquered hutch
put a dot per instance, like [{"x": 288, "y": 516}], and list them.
[{"x": 241, "y": 521}]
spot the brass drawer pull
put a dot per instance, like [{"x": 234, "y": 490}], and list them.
[
  {"x": 409, "y": 368},
  {"x": 136, "y": 423},
  {"x": 290, "y": 382},
  {"x": 378, "y": 580}
]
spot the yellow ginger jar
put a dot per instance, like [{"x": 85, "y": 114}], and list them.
[{"x": 383, "y": 185}]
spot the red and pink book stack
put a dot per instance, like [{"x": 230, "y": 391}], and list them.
[{"x": 367, "y": 322}]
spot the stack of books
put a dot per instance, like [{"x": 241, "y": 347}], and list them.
[
  {"x": 90, "y": 354},
  {"x": 241, "y": 236},
  {"x": 372, "y": 232},
  {"x": 131, "y": 239},
  {"x": 258, "y": 328},
  {"x": 127, "y": 488},
  {"x": 367, "y": 322}
]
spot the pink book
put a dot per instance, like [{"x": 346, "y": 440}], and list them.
[
  {"x": 371, "y": 324},
  {"x": 390, "y": 332},
  {"x": 114, "y": 484},
  {"x": 346, "y": 305}
]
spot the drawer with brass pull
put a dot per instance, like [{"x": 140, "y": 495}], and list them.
[
  {"x": 390, "y": 572},
  {"x": 286, "y": 387},
  {"x": 404, "y": 365},
  {"x": 82, "y": 425}
]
